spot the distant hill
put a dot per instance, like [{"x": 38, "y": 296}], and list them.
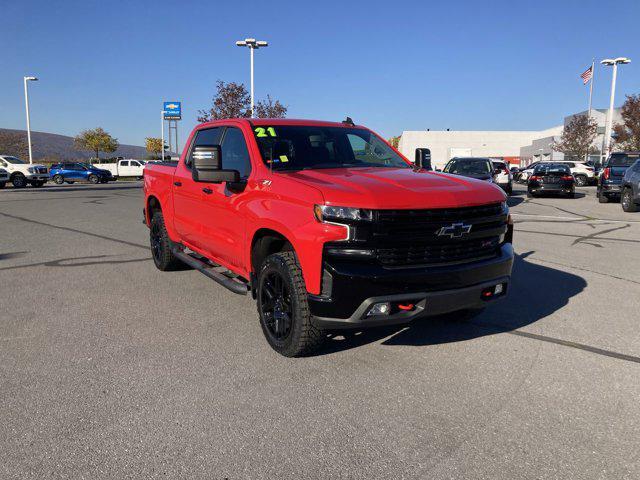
[{"x": 51, "y": 146}]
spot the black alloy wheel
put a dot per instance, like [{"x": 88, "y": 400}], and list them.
[
  {"x": 58, "y": 179},
  {"x": 93, "y": 179},
  {"x": 275, "y": 304}
]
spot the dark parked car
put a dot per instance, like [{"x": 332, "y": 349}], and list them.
[
  {"x": 610, "y": 180},
  {"x": 551, "y": 178},
  {"x": 630, "y": 198},
  {"x": 474, "y": 167},
  {"x": 78, "y": 172}
]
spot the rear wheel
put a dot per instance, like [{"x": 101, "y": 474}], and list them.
[
  {"x": 161, "y": 252},
  {"x": 628, "y": 205},
  {"x": 93, "y": 179},
  {"x": 602, "y": 198},
  {"x": 58, "y": 179},
  {"x": 283, "y": 307},
  {"x": 19, "y": 180}
]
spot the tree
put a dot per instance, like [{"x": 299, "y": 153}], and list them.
[
  {"x": 96, "y": 140},
  {"x": 154, "y": 147},
  {"x": 627, "y": 134},
  {"x": 394, "y": 141},
  {"x": 14, "y": 143},
  {"x": 270, "y": 109},
  {"x": 577, "y": 137},
  {"x": 232, "y": 100}
]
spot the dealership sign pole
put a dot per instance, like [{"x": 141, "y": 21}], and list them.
[{"x": 173, "y": 113}]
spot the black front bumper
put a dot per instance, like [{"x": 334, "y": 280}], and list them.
[{"x": 350, "y": 288}]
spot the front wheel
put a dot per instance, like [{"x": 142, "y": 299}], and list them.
[
  {"x": 581, "y": 180},
  {"x": 58, "y": 179},
  {"x": 163, "y": 257},
  {"x": 93, "y": 179},
  {"x": 283, "y": 307},
  {"x": 628, "y": 205}
]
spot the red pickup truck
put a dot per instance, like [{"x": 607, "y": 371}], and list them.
[{"x": 327, "y": 226}]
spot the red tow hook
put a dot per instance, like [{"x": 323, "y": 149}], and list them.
[{"x": 406, "y": 306}]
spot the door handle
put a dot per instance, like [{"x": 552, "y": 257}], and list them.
[
  {"x": 207, "y": 190},
  {"x": 177, "y": 184}
]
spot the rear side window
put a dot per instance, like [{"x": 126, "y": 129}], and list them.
[
  {"x": 208, "y": 136},
  {"x": 235, "y": 155}
]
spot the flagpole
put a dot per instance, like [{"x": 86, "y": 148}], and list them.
[{"x": 593, "y": 77}]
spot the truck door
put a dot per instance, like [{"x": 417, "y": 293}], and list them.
[
  {"x": 224, "y": 222},
  {"x": 188, "y": 212}
]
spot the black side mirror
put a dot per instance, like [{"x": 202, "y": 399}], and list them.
[
  {"x": 206, "y": 161},
  {"x": 423, "y": 158}
]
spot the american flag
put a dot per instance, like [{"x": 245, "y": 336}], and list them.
[{"x": 586, "y": 75}]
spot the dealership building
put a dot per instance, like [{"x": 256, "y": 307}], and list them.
[{"x": 517, "y": 147}]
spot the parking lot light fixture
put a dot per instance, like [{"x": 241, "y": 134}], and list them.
[
  {"x": 26, "y": 104},
  {"x": 609, "y": 62},
  {"x": 252, "y": 44}
]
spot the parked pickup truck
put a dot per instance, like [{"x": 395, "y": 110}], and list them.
[
  {"x": 327, "y": 226},
  {"x": 124, "y": 168}
]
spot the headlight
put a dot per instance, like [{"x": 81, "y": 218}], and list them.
[
  {"x": 31, "y": 170},
  {"x": 329, "y": 213}
]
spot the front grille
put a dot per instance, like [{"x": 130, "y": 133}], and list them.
[{"x": 406, "y": 238}]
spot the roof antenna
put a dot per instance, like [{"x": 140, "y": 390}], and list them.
[{"x": 348, "y": 121}]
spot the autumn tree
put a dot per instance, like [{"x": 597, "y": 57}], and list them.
[
  {"x": 232, "y": 100},
  {"x": 394, "y": 141},
  {"x": 627, "y": 134},
  {"x": 154, "y": 146},
  {"x": 96, "y": 140},
  {"x": 14, "y": 143},
  {"x": 577, "y": 137}
]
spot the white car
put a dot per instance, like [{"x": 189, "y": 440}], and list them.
[
  {"x": 584, "y": 174},
  {"x": 4, "y": 177},
  {"x": 502, "y": 175},
  {"x": 22, "y": 173},
  {"x": 124, "y": 168}
]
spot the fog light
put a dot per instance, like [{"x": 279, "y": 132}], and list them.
[{"x": 382, "y": 308}]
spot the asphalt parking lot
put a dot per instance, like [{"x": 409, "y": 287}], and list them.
[{"x": 112, "y": 369}]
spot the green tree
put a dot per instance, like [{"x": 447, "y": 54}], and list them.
[
  {"x": 232, "y": 100},
  {"x": 577, "y": 137},
  {"x": 154, "y": 147},
  {"x": 96, "y": 140},
  {"x": 627, "y": 134}
]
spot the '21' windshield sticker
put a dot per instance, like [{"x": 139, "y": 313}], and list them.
[{"x": 262, "y": 132}]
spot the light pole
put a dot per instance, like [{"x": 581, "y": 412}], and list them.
[
  {"x": 162, "y": 112},
  {"x": 607, "y": 131},
  {"x": 253, "y": 45},
  {"x": 26, "y": 104}
]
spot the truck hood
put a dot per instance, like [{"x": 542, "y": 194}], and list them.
[{"x": 388, "y": 188}]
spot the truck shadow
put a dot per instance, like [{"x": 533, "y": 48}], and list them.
[{"x": 536, "y": 291}]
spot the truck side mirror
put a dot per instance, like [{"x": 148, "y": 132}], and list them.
[
  {"x": 206, "y": 162},
  {"x": 423, "y": 158}
]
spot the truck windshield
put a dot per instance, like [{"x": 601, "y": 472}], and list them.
[
  {"x": 292, "y": 147},
  {"x": 469, "y": 166},
  {"x": 15, "y": 160}
]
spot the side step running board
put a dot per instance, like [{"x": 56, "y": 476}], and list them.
[{"x": 235, "y": 286}]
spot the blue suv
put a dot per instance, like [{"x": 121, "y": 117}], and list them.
[{"x": 78, "y": 172}]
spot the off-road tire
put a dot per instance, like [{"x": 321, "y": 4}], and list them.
[
  {"x": 58, "y": 179},
  {"x": 93, "y": 179},
  {"x": 163, "y": 257},
  {"x": 628, "y": 205},
  {"x": 19, "y": 180},
  {"x": 304, "y": 337}
]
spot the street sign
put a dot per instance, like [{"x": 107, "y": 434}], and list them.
[{"x": 172, "y": 110}]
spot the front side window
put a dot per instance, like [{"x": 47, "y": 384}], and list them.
[
  {"x": 306, "y": 147},
  {"x": 235, "y": 155},
  {"x": 207, "y": 136}
]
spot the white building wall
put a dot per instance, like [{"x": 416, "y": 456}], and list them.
[{"x": 481, "y": 143}]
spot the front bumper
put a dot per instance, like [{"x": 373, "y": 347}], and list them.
[
  {"x": 432, "y": 290},
  {"x": 37, "y": 177}
]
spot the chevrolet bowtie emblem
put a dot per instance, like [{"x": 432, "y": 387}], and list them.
[{"x": 455, "y": 230}]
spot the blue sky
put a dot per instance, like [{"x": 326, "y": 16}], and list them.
[{"x": 393, "y": 66}]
